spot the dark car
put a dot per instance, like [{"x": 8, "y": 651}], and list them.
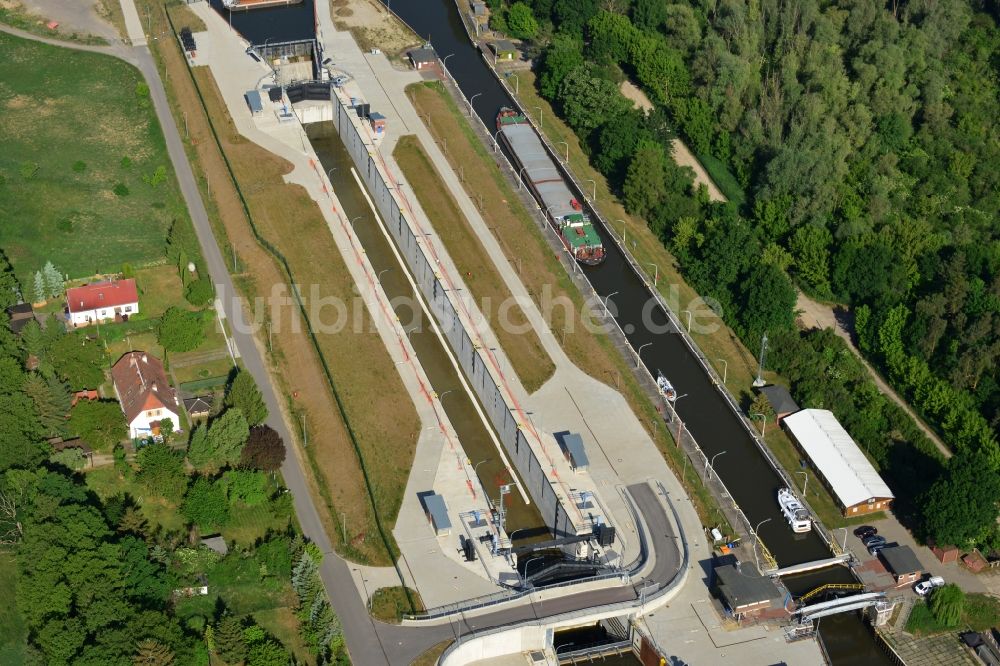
[
  {"x": 865, "y": 532},
  {"x": 873, "y": 540},
  {"x": 879, "y": 547}
]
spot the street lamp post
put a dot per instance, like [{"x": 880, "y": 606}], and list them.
[
  {"x": 541, "y": 117},
  {"x": 711, "y": 465},
  {"x": 476, "y": 466},
  {"x": 638, "y": 354},
  {"x": 444, "y": 63},
  {"x": 756, "y": 538},
  {"x": 680, "y": 424},
  {"x": 623, "y": 230},
  {"x": 763, "y": 422},
  {"x": 473, "y": 99},
  {"x": 528, "y": 563},
  {"x": 443, "y": 394},
  {"x": 689, "y": 319},
  {"x": 353, "y": 219},
  {"x": 594, "y": 183},
  {"x": 606, "y": 299},
  {"x": 567, "y": 150},
  {"x": 329, "y": 174},
  {"x": 656, "y": 273},
  {"x": 520, "y": 178},
  {"x": 725, "y": 369},
  {"x": 378, "y": 277},
  {"x": 805, "y": 482}
]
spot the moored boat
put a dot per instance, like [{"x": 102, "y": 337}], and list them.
[
  {"x": 796, "y": 515},
  {"x": 243, "y": 5},
  {"x": 543, "y": 179},
  {"x": 666, "y": 389}
]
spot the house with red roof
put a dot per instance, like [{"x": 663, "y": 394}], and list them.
[
  {"x": 145, "y": 395},
  {"x": 117, "y": 299}
]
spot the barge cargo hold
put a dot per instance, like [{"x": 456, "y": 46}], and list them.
[
  {"x": 545, "y": 182},
  {"x": 244, "y": 5}
]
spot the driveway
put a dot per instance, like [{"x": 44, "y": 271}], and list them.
[{"x": 893, "y": 531}]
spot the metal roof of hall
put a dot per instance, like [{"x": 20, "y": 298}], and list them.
[{"x": 539, "y": 169}]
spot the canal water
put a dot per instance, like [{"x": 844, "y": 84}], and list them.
[
  {"x": 706, "y": 414},
  {"x": 457, "y": 404},
  {"x": 276, "y": 24}
]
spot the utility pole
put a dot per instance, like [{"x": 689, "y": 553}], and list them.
[{"x": 760, "y": 365}]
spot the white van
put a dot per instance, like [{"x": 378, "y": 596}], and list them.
[{"x": 924, "y": 587}]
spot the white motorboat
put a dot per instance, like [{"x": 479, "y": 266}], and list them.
[
  {"x": 665, "y": 387},
  {"x": 796, "y": 515}
]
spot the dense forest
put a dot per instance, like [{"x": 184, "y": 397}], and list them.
[{"x": 857, "y": 146}]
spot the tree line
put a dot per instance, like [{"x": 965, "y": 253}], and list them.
[{"x": 856, "y": 145}]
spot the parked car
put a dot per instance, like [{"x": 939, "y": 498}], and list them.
[
  {"x": 873, "y": 540},
  {"x": 879, "y": 547},
  {"x": 924, "y": 587},
  {"x": 865, "y": 532}
]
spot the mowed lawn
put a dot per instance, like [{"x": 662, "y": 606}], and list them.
[
  {"x": 13, "y": 631},
  {"x": 76, "y": 128}
]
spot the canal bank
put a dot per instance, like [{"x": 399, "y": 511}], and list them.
[{"x": 708, "y": 415}]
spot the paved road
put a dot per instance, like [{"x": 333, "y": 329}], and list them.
[{"x": 370, "y": 642}]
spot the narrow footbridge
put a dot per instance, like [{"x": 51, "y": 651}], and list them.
[
  {"x": 842, "y": 605},
  {"x": 809, "y": 566}
]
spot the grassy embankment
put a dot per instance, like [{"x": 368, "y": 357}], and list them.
[
  {"x": 716, "y": 340},
  {"x": 379, "y": 411},
  {"x": 13, "y": 629},
  {"x": 527, "y": 356},
  {"x": 430, "y": 658},
  {"x": 523, "y": 243},
  {"x": 389, "y": 604},
  {"x": 82, "y": 150}
]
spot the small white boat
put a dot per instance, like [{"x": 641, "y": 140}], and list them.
[
  {"x": 665, "y": 387},
  {"x": 796, "y": 514}
]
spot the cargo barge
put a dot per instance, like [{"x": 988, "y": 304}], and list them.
[
  {"x": 244, "y": 5},
  {"x": 550, "y": 189}
]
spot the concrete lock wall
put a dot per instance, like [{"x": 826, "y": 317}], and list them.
[{"x": 471, "y": 359}]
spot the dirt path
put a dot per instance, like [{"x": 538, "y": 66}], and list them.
[
  {"x": 682, "y": 154},
  {"x": 817, "y": 315}
]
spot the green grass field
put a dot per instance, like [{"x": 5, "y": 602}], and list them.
[
  {"x": 85, "y": 181},
  {"x": 13, "y": 631}
]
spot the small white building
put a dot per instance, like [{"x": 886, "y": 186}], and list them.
[
  {"x": 145, "y": 395},
  {"x": 117, "y": 299}
]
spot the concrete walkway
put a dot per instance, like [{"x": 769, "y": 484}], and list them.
[{"x": 817, "y": 315}]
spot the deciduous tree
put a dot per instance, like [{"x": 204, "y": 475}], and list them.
[
  {"x": 264, "y": 450},
  {"x": 521, "y": 21},
  {"x": 181, "y": 330}
]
